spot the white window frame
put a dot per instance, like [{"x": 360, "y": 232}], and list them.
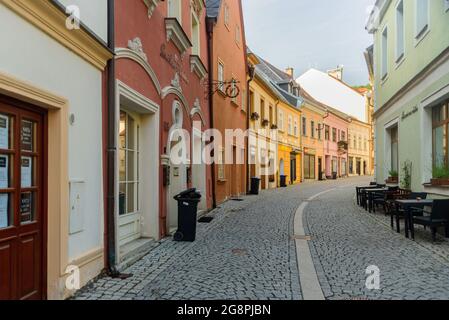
[
  {"x": 399, "y": 56},
  {"x": 421, "y": 34},
  {"x": 196, "y": 38},
  {"x": 290, "y": 125},
  {"x": 384, "y": 53},
  {"x": 238, "y": 35},
  {"x": 221, "y": 75},
  {"x": 295, "y": 127},
  {"x": 178, "y": 14},
  {"x": 281, "y": 120}
]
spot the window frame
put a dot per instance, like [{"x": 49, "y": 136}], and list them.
[
  {"x": 384, "y": 70},
  {"x": 439, "y": 124},
  {"x": 221, "y": 75},
  {"x": 421, "y": 34},
  {"x": 399, "y": 56}
]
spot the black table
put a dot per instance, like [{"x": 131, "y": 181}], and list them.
[
  {"x": 408, "y": 213},
  {"x": 358, "y": 191},
  {"x": 370, "y": 193}
]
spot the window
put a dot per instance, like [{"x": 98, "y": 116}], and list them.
[
  {"x": 271, "y": 115},
  {"x": 320, "y": 127},
  {"x": 304, "y": 127},
  {"x": 309, "y": 166},
  {"x": 351, "y": 165},
  {"x": 326, "y": 133},
  {"x": 238, "y": 35},
  {"x": 295, "y": 128},
  {"x": 384, "y": 53},
  {"x": 221, "y": 76},
  {"x": 334, "y": 134},
  {"x": 262, "y": 110},
  {"x": 128, "y": 165},
  {"x": 290, "y": 129},
  {"x": 281, "y": 121},
  {"x": 343, "y": 136},
  {"x": 422, "y": 17},
  {"x": 221, "y": 165},
  {"x": 394, "y": 149},
  {"x": 195, "y": 35},
  {"x": 365, "y": 144},
  {"x": 446, "y": 5},
  {"x": 251, "y": 101},
  {"x": 360, "y": 143},
  {"x": 440, "y": 124},
  {"x": 355, "y": 142},
  {"x": 226, "y": 15},
  {"x": 312, "y": 129},
  {"x": 243, "y": 100},
  {"x": 174, "y": 9},
  {"x": 349, "y": 140},
  {"x": 400, "y": 31}
]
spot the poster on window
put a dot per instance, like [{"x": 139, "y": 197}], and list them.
[
  {"x": 27, "y": 164},
  {"x": 27, "y": 136},
  {"x": 4, "y": 172},
  {"x": 4, "y": 210},
  {"x": 4, "y": 132},
  {"x": 25, "y": 207}
]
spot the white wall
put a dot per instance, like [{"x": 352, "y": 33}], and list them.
[
  {"x": 93, "y": 13},
  {"x": 30, "y": 55}
]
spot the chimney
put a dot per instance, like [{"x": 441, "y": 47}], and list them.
[
  {"x": 336, "y": 73},
  {"x": 289, "y": 71}
]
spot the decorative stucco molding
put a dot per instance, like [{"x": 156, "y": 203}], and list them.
[
  {"x": 136, "y": 46},
  {"x": 196, "y": 110},
  {"x": 151, "y": 5},
  {"x": 48, "y": 18},
  {"x": 197, "y": 66},
  {"x": 176, "y": 34},
  {"x": 176, "y": 82},
  {"x": 125, "y": 53}
]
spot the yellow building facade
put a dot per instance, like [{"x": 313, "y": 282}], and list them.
[
  {"x": 359, "y": 160},
  {"x": 289, "y": 143},
  {"x": 312, "y": 134}
]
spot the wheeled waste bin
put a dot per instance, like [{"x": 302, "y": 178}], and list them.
[{"x": 187, "y": 215}]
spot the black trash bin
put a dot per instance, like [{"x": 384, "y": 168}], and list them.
[
  {"x": 283, "y": 181},
  {"x": 334, "y": 175},
  {"x": 255, "y": 182},
  {"x": 187, "y": 215}
]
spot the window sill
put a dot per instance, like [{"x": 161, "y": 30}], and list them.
[
  {"x": 437, "y": 190},
  {"x": 421, "y": 37},
  {"x": 235, "y": 104},
  {"x": 400, "y": 61},
  {"x": 222, "y": 181},
  {"x": 384, "y": 79},
  {"x": 221, "y": 93}
]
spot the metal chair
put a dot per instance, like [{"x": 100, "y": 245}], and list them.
[{"x": 438, "y": 216}]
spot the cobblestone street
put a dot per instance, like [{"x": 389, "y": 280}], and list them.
[{"x": 248, "y": 252}]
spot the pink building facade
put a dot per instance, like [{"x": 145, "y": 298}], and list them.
[{"x": 336, "y": 126}]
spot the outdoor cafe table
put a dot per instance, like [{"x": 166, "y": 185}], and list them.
[
  {"x": 358, "y": 191},
  {"x": 408, "y": 215},
  {"x": 370, "y": 193}
]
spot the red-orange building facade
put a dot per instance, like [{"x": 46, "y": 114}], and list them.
[{"x": 228, "y": 63}]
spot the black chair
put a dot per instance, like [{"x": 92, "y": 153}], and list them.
[
  {"x": 439, "y": 216},
  {"x": 399, "y": 212},
  {"x": 381, "y": 198}
]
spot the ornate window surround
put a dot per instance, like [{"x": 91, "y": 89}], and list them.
[{"x": 176, "y": 34}]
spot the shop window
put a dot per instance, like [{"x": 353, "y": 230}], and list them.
[
  {"x": 309, "y": 166},
  {"x": 440, "y": 124},
  {"x": 351, "y": 165}
]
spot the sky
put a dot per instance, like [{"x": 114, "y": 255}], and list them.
[{"x": 306, "y": 34}]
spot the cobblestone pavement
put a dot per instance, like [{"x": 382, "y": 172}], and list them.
[
  {"x": 247, "y": 252},
  {"x": 346, "y": 240}
]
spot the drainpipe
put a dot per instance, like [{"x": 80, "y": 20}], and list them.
[
  {"x": 210, "y": 23},
  {"x": 251, "y": 73},
  {"x": 111, "y": 149}
]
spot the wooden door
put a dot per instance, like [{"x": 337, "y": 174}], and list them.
[{"x": 22, "y": 211}]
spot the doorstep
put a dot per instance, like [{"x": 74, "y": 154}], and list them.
[{"x": 134, "y": 251}]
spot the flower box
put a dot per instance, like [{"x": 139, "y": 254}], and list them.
[
  {"x": 255, "y": 116},
  {"x": 440, "y": 182},
  {"x": 392, "y": 180}
]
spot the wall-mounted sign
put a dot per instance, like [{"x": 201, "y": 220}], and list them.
[
  {"x": 405, "y": 115},
  {"x": 26, "y": 172},
  {"x": 25, "y": 207}
]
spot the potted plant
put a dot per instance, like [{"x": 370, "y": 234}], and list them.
[
  {"x": 440, "y": 176},
  {"x": 274, "y": 127},
  {"x": 406, "y": 182},
  {"x": 255, "y": 116},
  {"x": 265, "y": 122},
  {"x": 393, "y": 177}
]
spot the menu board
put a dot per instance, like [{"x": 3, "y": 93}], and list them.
[
  {"x": 4, "y": 132},
  {"x": 25, "y": 207},
  {"x": 27, "y": 165},
  {"x": 3, "y": 197},
  {"x": 27, "y": 135}
]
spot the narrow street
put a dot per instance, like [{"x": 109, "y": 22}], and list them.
[{"x": 248, "y": 252}]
